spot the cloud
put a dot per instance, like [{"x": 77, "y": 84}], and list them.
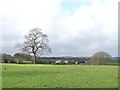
[
  {"x": 88, "y": 29},
  {"x": 18, "y": 17}
]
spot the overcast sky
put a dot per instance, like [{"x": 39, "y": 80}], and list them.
[{"x": 74, "y": 27}]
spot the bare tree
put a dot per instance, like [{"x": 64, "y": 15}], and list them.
[
  {"x": 100, "y": 58},
  {"x": 36, "y": 43}
]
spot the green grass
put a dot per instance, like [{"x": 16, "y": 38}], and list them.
[{"x": 59, "y": 76}]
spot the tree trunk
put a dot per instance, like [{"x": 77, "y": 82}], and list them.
[{"x": 34, "y": 58}]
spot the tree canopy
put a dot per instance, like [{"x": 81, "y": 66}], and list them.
[{"x": 36, "y": 43}]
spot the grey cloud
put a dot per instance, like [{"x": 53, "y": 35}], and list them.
[{"x": 86, "y": 46}]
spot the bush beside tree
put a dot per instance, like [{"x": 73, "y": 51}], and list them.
[{"x": 22, "y": 57}]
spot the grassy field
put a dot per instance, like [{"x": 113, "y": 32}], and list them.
[{"x": 59, "y": 76}]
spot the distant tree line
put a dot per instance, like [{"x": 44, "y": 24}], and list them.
[
  {"x": 23, "y": 58},
  {"x": 16, "y": 58},
  {"x": 6, "y": 58},
  {"x": 99, "y": 58},
  {"x": 66, "y": 58}
]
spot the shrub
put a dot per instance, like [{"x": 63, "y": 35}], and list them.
[
  {"x": 22, "y": 57},
  {"x": 100, "y": 58}
]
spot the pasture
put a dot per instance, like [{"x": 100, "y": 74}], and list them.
[{"x": 59, "y": 76}]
